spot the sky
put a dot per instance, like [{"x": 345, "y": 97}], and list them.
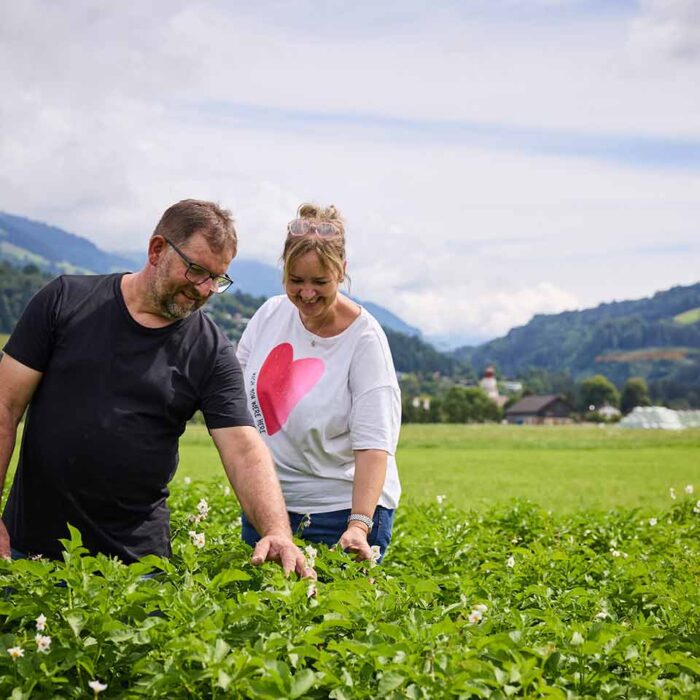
[{"x": 494, "y": 159}]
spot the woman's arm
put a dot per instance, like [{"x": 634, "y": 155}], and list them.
[{"x": 370, "y": 473}]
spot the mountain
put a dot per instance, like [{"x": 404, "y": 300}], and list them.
[
  {"x": 230, "y": 311},
  {"x": 23, "y": 241},
  {"x": 657, "y": 338},
  {"x": 262, "y": 280}
]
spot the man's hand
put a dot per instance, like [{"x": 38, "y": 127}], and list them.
[
  {"x": 281, "y": 549},
  {"x": 5, "y": 550},
  {"x": 354, "y": 539}
]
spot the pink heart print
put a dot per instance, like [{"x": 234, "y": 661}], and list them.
[{"x": 283, "y": 382}]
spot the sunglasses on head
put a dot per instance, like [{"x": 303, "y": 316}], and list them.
[{"x": 303, "y": 227}]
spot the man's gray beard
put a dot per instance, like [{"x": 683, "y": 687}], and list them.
[
  {"x": 173, "y": 311},
  {"x": 167, "y": 307}
]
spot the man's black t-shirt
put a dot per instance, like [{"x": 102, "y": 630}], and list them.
[{"x": 100, "y": 441}]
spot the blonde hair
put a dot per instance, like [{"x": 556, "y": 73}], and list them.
[{"x": 330, "y": 250}]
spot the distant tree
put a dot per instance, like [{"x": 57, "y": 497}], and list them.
[
  {"x": 409, "y": 413},
  {"x": 597, "y": 391},
  {"x": 541, "y": 381},
  {"x": 635, "y": 392},
  {"x": 435, "y": 411},
  {"x": 469, "y": 405}
]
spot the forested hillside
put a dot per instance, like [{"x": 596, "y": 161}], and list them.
[
  {"x": 646, "y": 337},
  {"x": 657, "y": 339},
  {"x": 23, "y": 241},
  {"x": 231, "y": 311},
  {"x": 17, "y": 285}
]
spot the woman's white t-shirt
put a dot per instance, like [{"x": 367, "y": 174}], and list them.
[{"x": 315, "y": 400}]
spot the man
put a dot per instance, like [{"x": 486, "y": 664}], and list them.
[{"x": 112, "y": 367}]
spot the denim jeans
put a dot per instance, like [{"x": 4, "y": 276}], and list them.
[{"x": 326, "y": 528}]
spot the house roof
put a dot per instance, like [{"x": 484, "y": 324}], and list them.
[{"x": 533, "y": 404}]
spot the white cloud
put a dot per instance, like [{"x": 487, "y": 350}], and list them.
[
  {"x": 119, "y": 110},
  {"x": 667, "y": 27},
  {"x": 489, "y": 314}
]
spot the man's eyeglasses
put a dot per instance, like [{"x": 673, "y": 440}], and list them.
[
  {"x": 199, "y": 275},
  {"x": 302, "y": 227}
]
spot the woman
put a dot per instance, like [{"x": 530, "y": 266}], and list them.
[{"x": 323, "y": 391}]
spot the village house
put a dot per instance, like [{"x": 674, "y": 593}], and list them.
[{"x": 539, "y": 410}]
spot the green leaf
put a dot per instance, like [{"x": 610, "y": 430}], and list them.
[
  {"x": 302, "y": 682},
  {"x": 223, "y": 680},
  {"x": 390, "y": 680},
  {"x": 76, "y": 621},
  {"x": 229, "y": 576},
  {"x": 221, "y": 650}
]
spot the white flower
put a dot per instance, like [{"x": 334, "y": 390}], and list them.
[
  {"x": 311, "y": 591},
  {"x": 615, "y": 552},
  {"x": 652, "y": 521},
  {"x": 689, "y": 489},
  {"x": 310, "y": 552},
  {"x": 97, "y": 686},
  {"x": 238, "y": 522},
  {"x": 440, "y": 498},
  {"x": 475, "y": 617},
  {"x": 41, "y": 622},
  {"x": 15, "y": 652},
  {"x": 481, "y": 608},
  {"x": 602, "y": 615},
  {"x": 43, "y": 642},
  {"x": 376, "y": 553},
  {"x": 187, "y": 480},
  {"x": 510, "y": 562},
  {"x": 306, "y": 522},
  {"x": 576, "y": 639},
  {"x": 203, "y": 508},
  {"x": 696, "y": 509},
  {"x": 672, "y": 493},
  {"x": 198, "y": 539},
  {"x": 227, "y": 491}
]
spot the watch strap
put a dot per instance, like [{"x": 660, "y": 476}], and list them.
[{"x": 360, "y": 518}]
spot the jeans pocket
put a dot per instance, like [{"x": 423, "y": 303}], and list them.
[{"x": 381, "y": 532}]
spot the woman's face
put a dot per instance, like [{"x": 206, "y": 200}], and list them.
[{"x": 310, "y": 287}]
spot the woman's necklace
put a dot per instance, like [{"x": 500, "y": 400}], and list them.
[{"x": 319, "y": 329}]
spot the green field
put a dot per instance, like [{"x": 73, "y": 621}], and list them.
[
  {"x": 3, "y": 339},
  {"x": 688, "y": 317},
  {"x": 509, "y": 602},
  {"x": 562, "y": 468}
]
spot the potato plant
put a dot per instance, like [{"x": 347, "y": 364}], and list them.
[{"x": 511, "y": 602}]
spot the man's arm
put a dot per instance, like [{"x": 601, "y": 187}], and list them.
[
  {"x": 17, "y": 385},
  {"x": 250, "y": 470}
]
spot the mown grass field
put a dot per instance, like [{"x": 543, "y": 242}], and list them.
[{"x": 561, "y": 468}]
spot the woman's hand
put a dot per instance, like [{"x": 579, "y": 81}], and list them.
[{"x": 354, "y": 539}]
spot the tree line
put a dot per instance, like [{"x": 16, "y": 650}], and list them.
[
  {"x": 435, "y": 378},
  {"x": 446, "y": 402}
]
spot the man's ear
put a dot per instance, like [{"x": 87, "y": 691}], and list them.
[{"x": 157, "y": 246}]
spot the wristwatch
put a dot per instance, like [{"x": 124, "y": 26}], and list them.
[{"x": 362, "y": 519}]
